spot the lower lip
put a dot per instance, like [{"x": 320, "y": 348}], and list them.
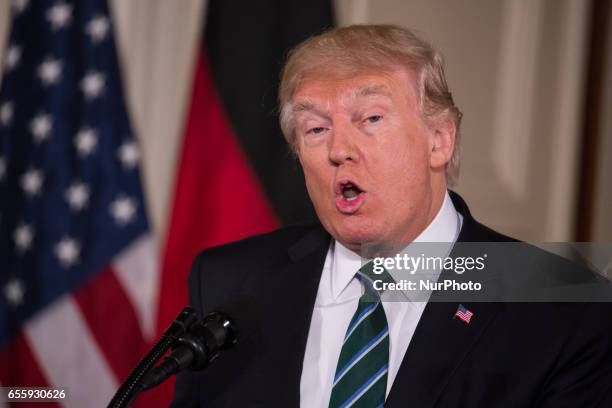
[{"x": 349, "y": 207}]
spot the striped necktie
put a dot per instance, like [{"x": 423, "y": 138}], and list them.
[{"x": 361, "y": 373}]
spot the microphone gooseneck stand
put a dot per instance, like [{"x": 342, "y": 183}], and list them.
[{"x": 131, "y": 387}]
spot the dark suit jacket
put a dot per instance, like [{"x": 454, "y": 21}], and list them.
[{"x": 510, "y": 355}]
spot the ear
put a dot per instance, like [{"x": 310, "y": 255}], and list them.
[{"x": 442, "y": 143}]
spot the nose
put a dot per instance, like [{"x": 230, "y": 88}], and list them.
[{"x": 342, "y": 144}]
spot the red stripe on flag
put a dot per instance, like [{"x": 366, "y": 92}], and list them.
[
  {"x": 112, "y": 320},
  {"x": 217, "y": 199},
  {"x": 18, "y": 368}
]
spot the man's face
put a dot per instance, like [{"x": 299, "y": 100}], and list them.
[{"x": 367, "y": 157}]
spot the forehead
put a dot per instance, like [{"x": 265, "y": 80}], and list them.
[{"x": 319, "y": 89}]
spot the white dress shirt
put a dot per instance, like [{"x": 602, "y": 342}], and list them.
[{"x": 337, "y": 298}]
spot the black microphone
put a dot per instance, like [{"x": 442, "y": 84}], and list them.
[
  {"x": 195, "y": 349},
  {"x": 194, "y": 344},
  {"x": 131, "y": 386}
]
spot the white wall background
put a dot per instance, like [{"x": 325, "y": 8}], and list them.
[{"x": 516, "y": 69}]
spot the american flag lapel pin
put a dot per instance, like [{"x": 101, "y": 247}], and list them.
[{"x": 464, "y": 314}]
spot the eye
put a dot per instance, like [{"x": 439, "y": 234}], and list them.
[
  {"x": 374, "y": 118},
  {"x": 315, "y": 130}
]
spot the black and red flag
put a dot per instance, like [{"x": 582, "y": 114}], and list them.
[{"x": 236, "y": 175}]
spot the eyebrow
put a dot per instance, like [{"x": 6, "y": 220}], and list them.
[
  {"x": 356, "y": 93},
  {"x": 370, "y": 90},
  {"x": 304, "y": 106}
]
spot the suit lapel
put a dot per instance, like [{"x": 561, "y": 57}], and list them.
[
  {"x": 295, "y": 291},
  {"x": 439, "y": 344},
  {"x": 305, "y": 272}
]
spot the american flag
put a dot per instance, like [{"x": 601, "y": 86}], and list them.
[
  {"x": 464, "y": 314},
  {"x": 78, "y": 268}
]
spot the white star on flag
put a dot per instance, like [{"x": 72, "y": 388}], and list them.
[
  {"x": 86, "y": 141},
  {"x": 123, "y": 210},
  {"x": 92, "y": 84},
  {"x": 40, "y": 127},
  {"x": 50, "y": 71},
  {"x": 6, "y": 113},
  {"x": 129, "y": 154},
  {"x": 31, "y": 182},
  {"x": 67, "y": 251},
  {"x": 23, "y": 236},
  {"x": 97, "y": 28},
  {"x": 77, "y": 195},
  {"x": 12, "y": 58},
  {"x": 60, "y": 15},
  {"x": 19, "y": 5},
  {"x": 14, "y": 291},
  {"x": 2, "y": 167}
]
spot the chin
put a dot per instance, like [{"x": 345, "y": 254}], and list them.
[{"x": 354, "y": 232}]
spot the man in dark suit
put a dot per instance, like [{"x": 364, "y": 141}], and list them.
[{"x": 368, "y": 112}]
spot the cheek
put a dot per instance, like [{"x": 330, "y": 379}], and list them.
[
  {"x": 315, "y": 175},
  {"x": 402, "y": 171}
]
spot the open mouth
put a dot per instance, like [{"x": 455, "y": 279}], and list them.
[{"x": 349, "y": 196}]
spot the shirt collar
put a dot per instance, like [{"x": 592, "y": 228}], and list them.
[
  {"x": 445, "y": 226},
  {"x": 344, "y": 266}
]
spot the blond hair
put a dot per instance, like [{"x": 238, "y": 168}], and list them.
[{"x": 358, "y": 48}]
